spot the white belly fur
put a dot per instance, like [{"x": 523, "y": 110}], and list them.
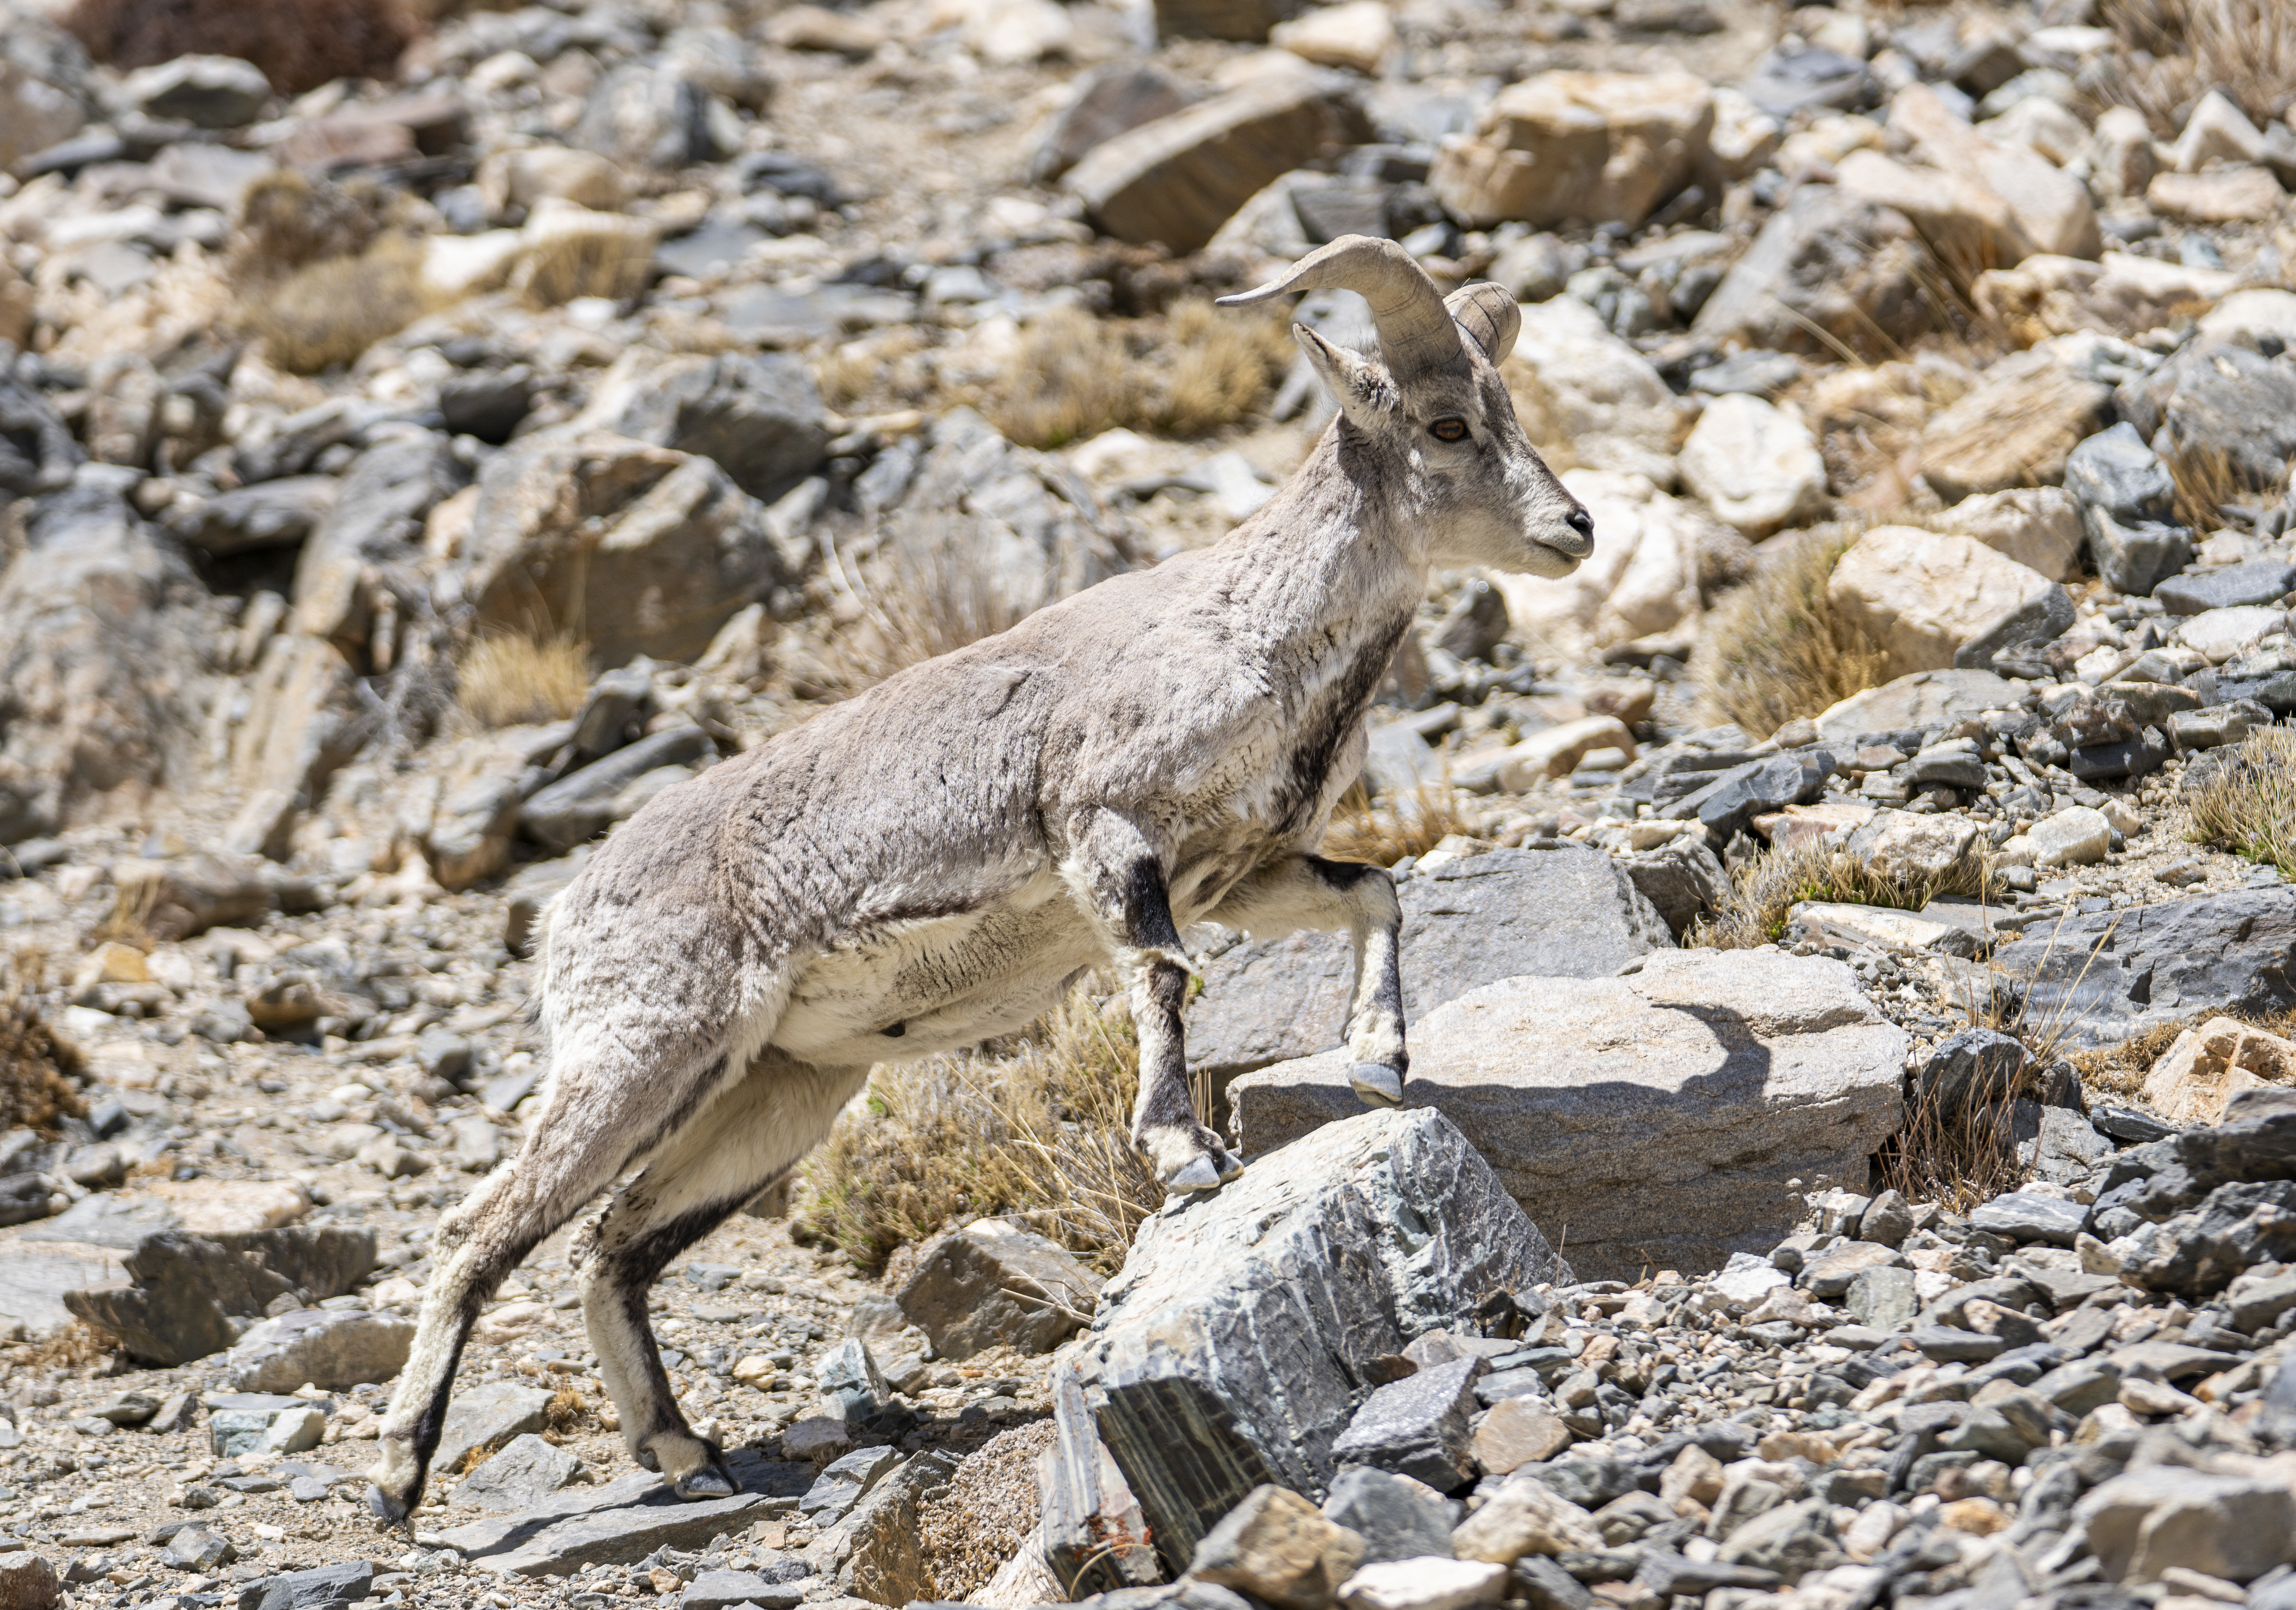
[
  {"x": 947, "y": 982},
  {"x": 951, "y": 982}
]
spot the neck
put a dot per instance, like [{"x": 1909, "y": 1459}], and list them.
[{"x": 1332, "y": 555}]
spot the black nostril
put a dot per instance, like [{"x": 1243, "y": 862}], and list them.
[{"x": 1582, "y": 522}]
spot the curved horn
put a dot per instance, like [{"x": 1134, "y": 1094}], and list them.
[
  {"x": 1487, "y": 313},
  {"x": 1415, "y": 331}
]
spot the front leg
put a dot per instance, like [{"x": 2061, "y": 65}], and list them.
[
  {"x": 1116, "y": 870},
  {"x": 1309, "y": 892}
]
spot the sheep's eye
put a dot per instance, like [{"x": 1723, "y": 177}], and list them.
[{"x": 1452, "y": 430}]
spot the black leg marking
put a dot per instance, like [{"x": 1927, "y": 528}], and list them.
[{"x": 1148, "y": 909}]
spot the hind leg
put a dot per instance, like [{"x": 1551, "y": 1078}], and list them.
[
  {"x": 606, "y": 1108},
  {"x": 477, "y": 1244},
  {"x": 749, "y": 1138}
]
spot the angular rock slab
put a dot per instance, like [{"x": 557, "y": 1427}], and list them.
[
  {"x": 487, "y": 1417},
  {"x": 1922, "y": 699},
  {"x": 1567, "y": 914},
  {"x": 188, "y": 1289},
  {"x": 324, "y": 1347},
  {"x": 994, "y": 1284},
  {"x": 2104, "y": 975},
  {"x": 1238, "y": 1340},
  {"x": 1661, "y": 1115},
  {"x": 623, "y": 1521}
]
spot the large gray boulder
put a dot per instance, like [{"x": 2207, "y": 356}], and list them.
[
  {"x": 993, "y": 1284},
  {"x": 1240, "y": 1335},
  {"x": 624, "y": 1520},
  {"x": 647, "y": 549},
  {"x": 195, "y": 1294},
  {"x": 363, "y": 554},
  {"x": 2102, "y": 977},
  {"x": 1669, "y": 1118},
  {"x": 1568, "y": 912},
  {"x": 1827, "y": 268},
  {"x": 43, "y": 87},
  {"x": 331, "y": 1348},
  {"x": 989, "y": 530},
  {"x": 102, "y": 635},
  {"x": 757, "y": 415},
  {"x": 1920, "y": 698}
]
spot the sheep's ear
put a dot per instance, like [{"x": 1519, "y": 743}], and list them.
[{"x": 1357, "y": 384}]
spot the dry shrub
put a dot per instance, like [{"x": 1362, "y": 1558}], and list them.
[
  {"x": 507, "y": 680},
  {"x": 39, "y": 1067},
  {"x": 1765, "y": 889},
  {"x": 2206, "y": 478},
  {"x": 1383, "y": 831},
  {"x": 605, "y": 257},
  {"x": 2118, "y": 1069},
  {"x": 1223, "y": 360},
  {"x": 1957, "y": 1157},
  {"x": 1074, "y": 375},
  {"x": 330, "y": 312},
  {"x": 2249, "y": 806},
  {"x": 299, "y": 44},
  {"x": 1069, "y": 378},
  {"x": 2247, "y": 48},
  {"x": 1038, "y": 1127},
  {"x": 1775, "y": 650},
  {"x": 980, "y": 1521},
  {"x": 286, "y": 222},
  {"x": 77, "y": 1348}
]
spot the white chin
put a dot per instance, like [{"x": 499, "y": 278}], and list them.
[{"x": 1549, "y": 563}]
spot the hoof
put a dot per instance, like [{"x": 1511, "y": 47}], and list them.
[
  {"x": 388, "y": 1511},
  {"x": 1377, "y": 1084},
  {"x": 712, "y": 1481},
  {"x": 1230, "y": 1166},
  {"x": 1198, "y": 1173}
]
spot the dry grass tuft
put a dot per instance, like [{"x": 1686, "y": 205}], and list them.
[
  {"x": 1223, "y": 362},
  {"x": 1773, "y": 651},
  {"x": 2118, "y": 1070},
  {"x": 908, "y": 608},
  {"x": 287, "y": 222},
  {"x": 2249, "y": 807},
  {"x": 971, "y": 1531},
  {"x": 78, "y": 1349},
  {"x": 599, "y": 255},
  {"x": 1038, "y": 1128},
  {"x": 1072, "y": 377},
  {"x": 1383, "y": 831},
  {"x": 1196, "y": 370},
  {"x": 567, "y": 1412},
  {"x": 38, "y": 1067},
  {"x": 2247, "y": 48},
  {"x": 299, "y": 44},
  {"x": 330, "y": 312},
  {"x": 1768, "y": 887},
  {"x": 876, "y": 372},
  {"x": 2209, "y": 476},
  {"x": 1958, "y": 1158},
  {"x": 128, "y": 922},
  {"x": 507, "y": 680}
]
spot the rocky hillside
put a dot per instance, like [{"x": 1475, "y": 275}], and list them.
[{"x": 1851, "y": 1155}]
